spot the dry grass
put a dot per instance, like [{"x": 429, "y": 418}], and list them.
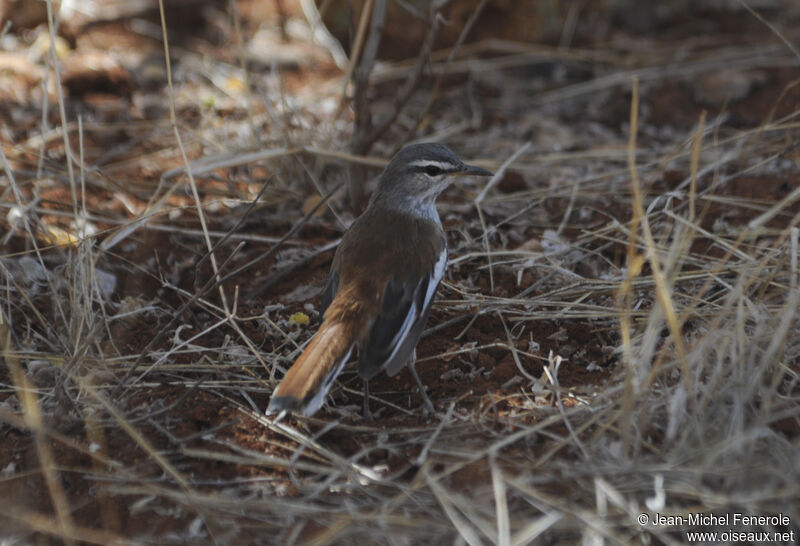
[{"x": 703, "y": 316}]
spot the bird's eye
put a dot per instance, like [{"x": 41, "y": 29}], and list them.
[{"x": 433, "y": 170}]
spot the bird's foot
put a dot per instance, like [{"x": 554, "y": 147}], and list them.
[
  {"x": 428, "y": 410},
  {"x": 366, "y": 414}
]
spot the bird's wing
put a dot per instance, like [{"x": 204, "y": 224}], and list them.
[
  {"x": 330, "y": 291},
  {"x": 398, "y": 326}
]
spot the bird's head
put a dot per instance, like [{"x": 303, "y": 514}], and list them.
[{"x": 418, "y": 173}]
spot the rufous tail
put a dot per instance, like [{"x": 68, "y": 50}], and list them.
[{"x": 305, "y": 385}]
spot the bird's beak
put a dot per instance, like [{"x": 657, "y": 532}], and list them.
[{"x": 472, "y": 170}]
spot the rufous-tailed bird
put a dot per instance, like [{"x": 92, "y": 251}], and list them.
[{"x": 382, "y": 282}]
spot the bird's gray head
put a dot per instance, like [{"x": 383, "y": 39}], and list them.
[{"x": 418, "y": 173}]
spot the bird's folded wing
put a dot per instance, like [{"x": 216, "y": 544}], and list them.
[
  {"x": 398, "y": 326},
  {"x": 331, "y": 287}
]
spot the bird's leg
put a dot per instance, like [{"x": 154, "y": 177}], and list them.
[
  {"x": 428, "y": 409},
  {"x": 366, "y": 413}
]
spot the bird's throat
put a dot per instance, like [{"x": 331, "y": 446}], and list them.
[{"x": 416, "y": 206}]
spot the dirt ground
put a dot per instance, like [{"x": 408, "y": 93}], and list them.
[{"x": 162, "y": 438}]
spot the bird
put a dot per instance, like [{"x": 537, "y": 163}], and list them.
[{"x": 382, "y": 282}]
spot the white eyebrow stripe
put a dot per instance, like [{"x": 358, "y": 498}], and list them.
[{"x": 433, "y": 163}]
